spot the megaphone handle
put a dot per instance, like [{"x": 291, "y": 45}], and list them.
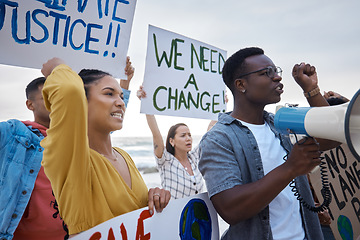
[
  {"x": 325, "y": 190},
  {"x": 300, "y": 137}
]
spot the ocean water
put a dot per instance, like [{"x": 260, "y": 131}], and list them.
[{"x": 141, "y": 149}]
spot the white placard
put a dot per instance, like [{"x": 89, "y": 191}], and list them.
[
  {"x": 85, "y": 33},
  {"x": 182, "y": 76},
  {"x": 179, "y": 220}
]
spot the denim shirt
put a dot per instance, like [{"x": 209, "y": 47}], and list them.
[
  {"x": 229, "y": 157},
  {"x": 20, "y": 162},
  {"x": 126, "y": 96}
]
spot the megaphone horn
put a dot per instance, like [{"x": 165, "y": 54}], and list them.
[{"x": 339, "y": 123}]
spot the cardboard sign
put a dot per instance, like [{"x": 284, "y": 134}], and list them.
[
  {"x": 187, "y": 218},
  {"x": 84, "y": 33},
  {"x": 182, "y": 76},
  {"x": 343, "y": 172}
]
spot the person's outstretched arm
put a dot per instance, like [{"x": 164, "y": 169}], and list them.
[
  {"x": 151, "y": 120},
  {"x": 157, "y": 138}
]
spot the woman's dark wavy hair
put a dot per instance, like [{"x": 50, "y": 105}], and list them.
[
  {"x": 234, "y": 66},
  {"x": 90, "y": 76},
  {"x": 171, "y": 134}
]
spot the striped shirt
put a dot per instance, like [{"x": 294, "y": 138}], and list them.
[{"x": 176, "y": 179}]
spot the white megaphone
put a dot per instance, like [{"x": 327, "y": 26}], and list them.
[{"x": 339, "y": 123}]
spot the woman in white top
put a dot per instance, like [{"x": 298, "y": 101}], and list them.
[{"x": 176, "y": 160}]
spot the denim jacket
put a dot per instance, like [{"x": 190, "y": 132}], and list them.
[
  {"x": 126, "y": 96},
  {"x": 20, "y": 162},
  {"x": 230, "y": 157}
]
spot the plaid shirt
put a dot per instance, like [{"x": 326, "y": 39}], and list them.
[{"x": 176, "y": 179}]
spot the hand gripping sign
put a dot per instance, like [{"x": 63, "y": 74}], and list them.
[{"x": 187, "y": 218}]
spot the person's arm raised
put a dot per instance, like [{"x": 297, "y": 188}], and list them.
[
  {"x": 124, "y": 84},
  {"x": 49, "y": 66},
  {"x": 305, "y": 75},
  {"x": 157, "y": 138},
  {"x": 129, "y": 72},
  {"x": 151, "y": 120}
]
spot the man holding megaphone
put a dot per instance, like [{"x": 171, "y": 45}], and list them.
[{"x": 242, "y": 156}]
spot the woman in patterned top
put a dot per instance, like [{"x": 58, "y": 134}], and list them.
[{"x": 176, "y": 160}]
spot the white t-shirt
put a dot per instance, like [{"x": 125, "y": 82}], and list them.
[{"x": 285, "y": 217}]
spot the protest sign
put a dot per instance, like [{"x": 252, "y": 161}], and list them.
[
  {"x": 182, "y": 76},
  {"x": 343, "y": 171},
  {"x": 187, "y": 218},
  {"x": 85, "y": 33}
]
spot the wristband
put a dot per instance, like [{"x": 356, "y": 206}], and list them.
[{"x": 312, "y": 93}]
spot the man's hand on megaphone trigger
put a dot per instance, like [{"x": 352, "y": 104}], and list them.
[{"x": 304, "y": 156}]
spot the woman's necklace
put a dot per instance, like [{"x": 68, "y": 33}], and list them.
[
  {"x": 186, "y": 168},
  {"x": 186, "y": 164},
  {"x": 116, "y": 157}
]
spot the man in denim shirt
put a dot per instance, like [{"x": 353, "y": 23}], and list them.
[
  {"x": 242, "y": 155},
  {"x": 27, "y": 205}
]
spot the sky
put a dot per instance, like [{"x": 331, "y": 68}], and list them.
[{"x": 323, "y": 33}]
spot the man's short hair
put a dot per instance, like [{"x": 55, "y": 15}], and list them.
[
  {"x": 33, "y": 86},
  {"x": 234, "y": 66}
]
